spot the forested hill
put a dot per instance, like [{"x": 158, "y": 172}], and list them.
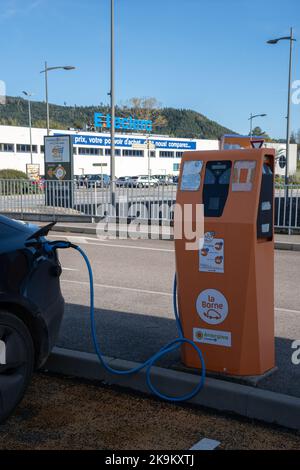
[{"x": 169, "y": 121}]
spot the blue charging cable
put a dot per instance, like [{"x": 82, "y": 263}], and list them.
[{"x": 169, "y": 347}]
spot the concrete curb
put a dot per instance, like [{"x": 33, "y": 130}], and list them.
[
  {"x": 287, "y": 246},
  {"x": 279, "y": 245},
  {"x": 221, "y": 395}
]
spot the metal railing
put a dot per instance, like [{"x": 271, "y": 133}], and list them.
[
  {"x": 61, "y": 198},
  {"x": 287, "y": 207}
]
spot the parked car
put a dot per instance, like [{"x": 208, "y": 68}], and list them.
[
  {"x": 98, "y": 181},
  {"x": 123, "y": 181},
  {"x": 131, "y": 182},
  {"x": 164, "y": 180},
  {"x": 144, "y": 181},
  {"x": 82, "y": 180},
  {"x": 31, "y": 307}
]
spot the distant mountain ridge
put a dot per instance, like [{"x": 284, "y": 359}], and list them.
[{"x": 167, "y": 121}]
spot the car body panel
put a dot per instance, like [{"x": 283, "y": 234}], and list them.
[{"x": 29, "y": 283}]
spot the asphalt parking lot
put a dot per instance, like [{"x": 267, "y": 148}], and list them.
[{"x": 133, "y": 299}]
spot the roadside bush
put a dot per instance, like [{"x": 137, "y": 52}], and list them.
[
  {"x": 16, "y": 182},
  {"x": 294, "y": 179},
  {"x": 12, "y": 175}
]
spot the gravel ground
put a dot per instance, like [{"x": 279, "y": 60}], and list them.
[{"x": 63, "y": 413}]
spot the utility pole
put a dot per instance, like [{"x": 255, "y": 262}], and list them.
[
  {"x": 47, "y": 100},
  {"x": 29, "y": 95},
  {"x": 275, "y": 41},
  {"x": 289, "y": 113}
]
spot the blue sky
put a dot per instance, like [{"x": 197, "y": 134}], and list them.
[{"x": 207, "y": 55}]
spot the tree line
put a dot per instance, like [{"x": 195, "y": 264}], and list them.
[{"x": 166, "y": 121}]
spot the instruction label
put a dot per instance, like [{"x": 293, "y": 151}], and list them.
[{"x": 211, "y": 255}]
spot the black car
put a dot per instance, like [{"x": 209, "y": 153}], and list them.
[
  {"x": 31, "y": 307},
  {"x": 98, "y": 181},
  {"x": 123, "y": 181}
]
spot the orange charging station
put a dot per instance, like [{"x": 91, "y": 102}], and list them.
[{"x": 226, "y": 285}]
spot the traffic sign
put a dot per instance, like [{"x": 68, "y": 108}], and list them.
[
  {"x": 149, "y": 146},
  {"x": 282, "y": 161},
  {"x": 257, "y": 144}
]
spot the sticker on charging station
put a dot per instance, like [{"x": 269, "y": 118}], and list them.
[
  {"x": 215, "y": 337},
  {"x": 191, "y": 179},
  {"x": 243, "y": 175},
  {"x": 212, "y": 306},
  {"x": 211, "y": 255}
]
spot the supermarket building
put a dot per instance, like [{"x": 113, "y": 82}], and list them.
[{"x": 92, "y": 151}]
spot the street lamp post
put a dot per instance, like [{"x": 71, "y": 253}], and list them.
[
  {"x": 45, "y": 71},
  {"x": 28, "y": 94},
  {"x": 275, "y": 41},
  {"x": 149, "y": 162},
  {"x": 112, "y": 105},
  {"x": 252, "y": 116}
]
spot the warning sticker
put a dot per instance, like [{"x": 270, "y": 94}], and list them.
[{"x": 211, "y": 255}]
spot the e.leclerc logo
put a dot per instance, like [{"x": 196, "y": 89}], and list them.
[{"x": 130, "y": 123}]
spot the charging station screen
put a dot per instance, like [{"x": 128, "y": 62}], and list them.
[{"x": 215, "y": 187}]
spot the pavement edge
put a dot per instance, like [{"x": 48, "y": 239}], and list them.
[{"x": 243, "y": 400}]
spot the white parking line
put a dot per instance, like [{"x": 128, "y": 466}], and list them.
[
  {"x": 70, "y": 269},
  {"x": 85, "y": 241},
  {"x": 206, "y": 444},
  {"x": 287, "y": 310},
  {"x": 145, "y": 291},
  {"x": 132, "y": 247},
  {"x": 131, "y": 289}
]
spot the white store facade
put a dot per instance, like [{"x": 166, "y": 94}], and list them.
[{"x": 92, "y": 149}]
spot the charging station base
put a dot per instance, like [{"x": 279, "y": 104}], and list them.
[{"x": 252, "y": 380}]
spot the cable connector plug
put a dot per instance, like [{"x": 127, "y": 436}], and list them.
[{"x": 58, "y": 244}]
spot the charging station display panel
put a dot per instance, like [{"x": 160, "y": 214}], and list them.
[{"x": 216, "y": 187}]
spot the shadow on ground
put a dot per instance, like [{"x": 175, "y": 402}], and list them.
[{"x": 136, "y": 337}]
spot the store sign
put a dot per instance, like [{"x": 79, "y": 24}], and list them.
[
  {"x": 129, "y": 142},
  {"x": 33, "y": 171},
  {"x": 59, "y": 170},
  {"x": 104, "y": 121}
]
